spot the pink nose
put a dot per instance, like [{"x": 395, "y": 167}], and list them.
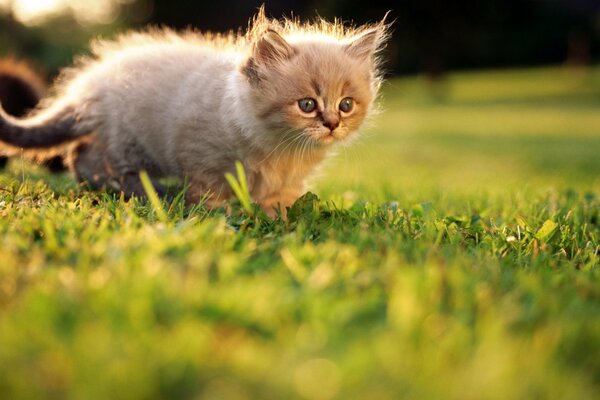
[{"x": 331, "y": 124}]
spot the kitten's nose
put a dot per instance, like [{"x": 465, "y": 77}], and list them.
[{"x": 331, "y": 123}]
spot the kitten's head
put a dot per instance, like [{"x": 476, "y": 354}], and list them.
[{"x": 316, "y": 82}]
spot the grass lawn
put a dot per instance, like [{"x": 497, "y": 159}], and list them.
[{"x": 452, "y": 252}]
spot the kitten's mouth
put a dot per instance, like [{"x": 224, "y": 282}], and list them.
[{"x": 327, "y": 139}]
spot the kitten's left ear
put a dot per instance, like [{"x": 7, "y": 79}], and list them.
[
  {"x": 365, "y": 46},
  {"x": 271, "y": 48}
]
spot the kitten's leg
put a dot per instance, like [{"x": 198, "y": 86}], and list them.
[
  {"x": 214, "y": 194},
  {"x": 280, "y": 201},
  {"x": 206, "y": 179},
  {"x": 87, "y": 160},
  {"x": 131, "y": 185},
  {"x": 127, "y": 158}
]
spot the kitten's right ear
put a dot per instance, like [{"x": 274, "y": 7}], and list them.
[
  {"x": 271, "y": 49},
  {"x": 365, "y": 46}
]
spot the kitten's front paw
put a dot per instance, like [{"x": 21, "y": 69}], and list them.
[
  {"x": 272, "y": 212},
  {"x": 277, "y": 207}
]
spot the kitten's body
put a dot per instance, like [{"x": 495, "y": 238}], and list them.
[{"x": 191, "y": 105}]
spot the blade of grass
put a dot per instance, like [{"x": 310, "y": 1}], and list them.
[
  {"x": 153, "y": 197},
  {"x": 240, "y": 186}
]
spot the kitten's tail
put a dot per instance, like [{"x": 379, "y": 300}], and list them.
[{"x": 50, "y": 127}]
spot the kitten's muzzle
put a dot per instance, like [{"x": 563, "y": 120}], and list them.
[
  {"x": 331, "y": 136},
  {"x": 331, "y": 123}
]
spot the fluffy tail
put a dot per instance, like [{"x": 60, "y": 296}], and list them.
[
  {"x": 50, "y": 127},
  {"x": 21, "y": 89}
]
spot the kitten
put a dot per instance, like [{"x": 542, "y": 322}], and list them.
[{"x": 190, "y": 105}]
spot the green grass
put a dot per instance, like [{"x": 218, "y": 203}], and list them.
[{"x": 453, "y": 253}]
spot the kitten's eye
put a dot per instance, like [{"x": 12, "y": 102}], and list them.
[
  {"x": 347, "y": 104},
  {"x": 307, "y": 105}
]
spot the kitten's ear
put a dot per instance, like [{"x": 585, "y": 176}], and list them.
[
  {"x": 365, "y": 46},
  {"x": 271, "y": 48}
]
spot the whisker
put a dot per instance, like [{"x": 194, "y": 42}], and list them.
[
  {"x": 284, "y": 142},
  {"x": 290, "y": 144}
]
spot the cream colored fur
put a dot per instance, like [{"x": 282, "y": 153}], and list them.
[{"x": 190, "y": 105}]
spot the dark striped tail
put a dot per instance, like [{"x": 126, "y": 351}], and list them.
[{"x": 48, "y": 128}]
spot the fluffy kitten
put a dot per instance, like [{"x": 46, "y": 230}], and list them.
[{"x": 190, "y": 105}]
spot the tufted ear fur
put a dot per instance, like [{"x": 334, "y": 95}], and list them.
[
  {"x": 271, "y": 49},
  {"x": 365, "y": 46}
]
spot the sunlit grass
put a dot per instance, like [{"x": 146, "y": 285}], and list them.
[{"x": 453, "y": 253}]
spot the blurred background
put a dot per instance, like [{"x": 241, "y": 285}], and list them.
[{"x": 430, "y": 36}]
